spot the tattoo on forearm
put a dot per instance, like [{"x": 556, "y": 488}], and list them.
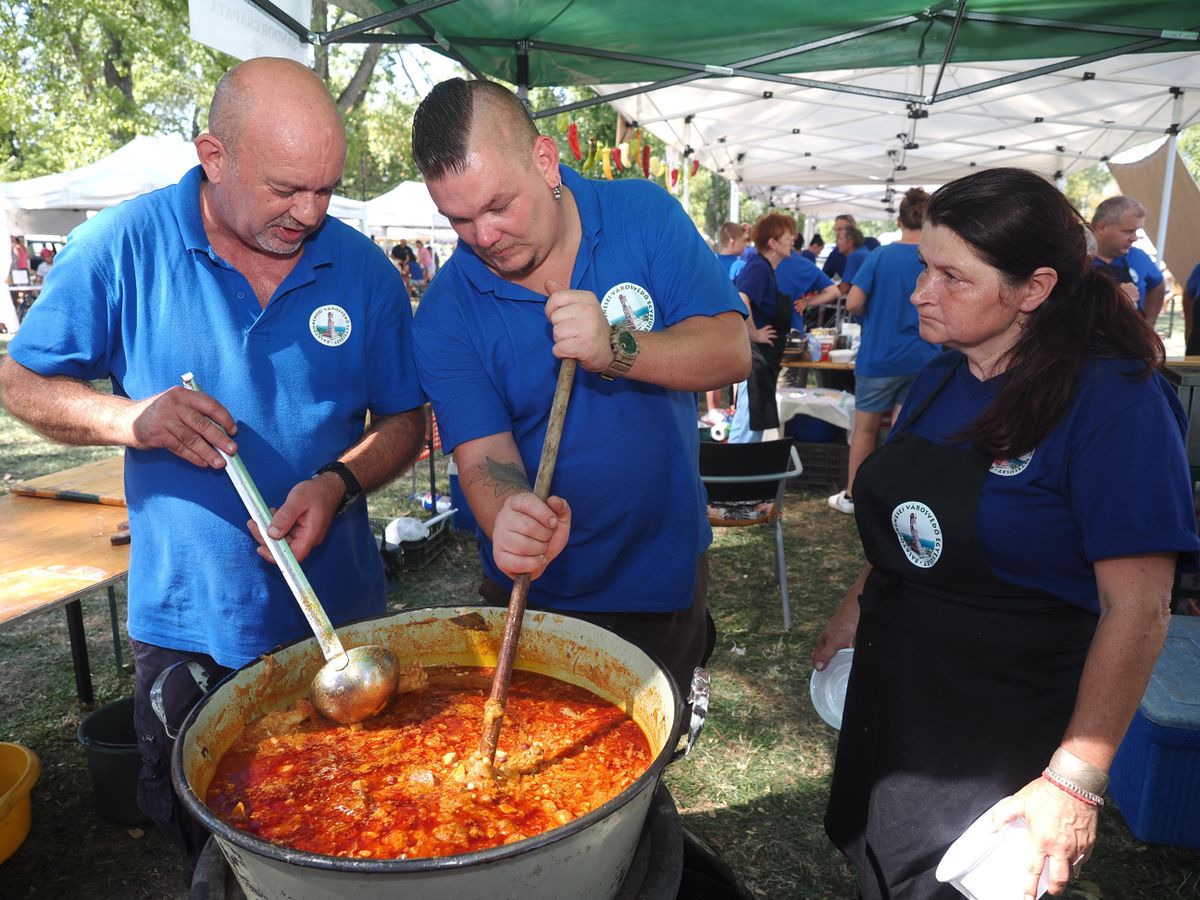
[{"x": 504, "y": 477}]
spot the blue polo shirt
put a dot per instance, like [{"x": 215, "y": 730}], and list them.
[
  {"x": 140, "y": 296},
  {"x": 1134, "y": 267},
  {"x": 757, "y": 281},
  {"x": 891, "y": 340},
  {"x": 728, "y": 261},
  {"x": 628, "y": 460},
  {"x": 1111, "y": 479},
  {"x": 1193, "y": 283},
  {"x": 854, "y": 262},
  {"x": 835, "y": 263},
  {"x": 798, "y": 277},
  {"x": 809, "y": 255}
]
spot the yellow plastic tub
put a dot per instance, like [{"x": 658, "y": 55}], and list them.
[{"x": 19, "y": 770}]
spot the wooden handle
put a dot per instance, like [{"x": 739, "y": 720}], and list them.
[{"x": 494, "y": 715}]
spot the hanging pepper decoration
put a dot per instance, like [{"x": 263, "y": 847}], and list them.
[
  {"x": 635, "y": 146},
  {"x": 695, "y": 166},
  {"x": 646, "y": 160},
  {"x": 674, "y": 177},
  {"x": 616, "y": 158},
  {"x": 573, "y": 141},
  {"x": 606, "y": 159},
  {"x": 591, "y": 157}
]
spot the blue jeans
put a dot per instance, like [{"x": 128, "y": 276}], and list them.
[{"x": 739, "y": 428}]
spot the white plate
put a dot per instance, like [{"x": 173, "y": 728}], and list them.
[
  {"x": 828, "y": 687},
  {"x": 990, "y": 865},
  {"x": 842, "y": 356}
]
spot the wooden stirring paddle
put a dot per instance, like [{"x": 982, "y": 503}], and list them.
[{"x": 493, "y": 710}]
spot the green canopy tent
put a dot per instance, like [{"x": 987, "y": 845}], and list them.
[
  {"x": 561, "y": 42},
  {"x": 723, "y": 47},
  {"x": 790, "y": 100}
]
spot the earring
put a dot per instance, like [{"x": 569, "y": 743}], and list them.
[{"x": 557, "y": 191}]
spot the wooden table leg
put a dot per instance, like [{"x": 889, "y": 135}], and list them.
[{"x": 79, "y": 654}]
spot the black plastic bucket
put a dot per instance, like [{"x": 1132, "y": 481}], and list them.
[{"x": 110, "y": 741}]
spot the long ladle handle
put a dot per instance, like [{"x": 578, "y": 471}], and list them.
[
  {"x": 331, "y": 644},
  {"x": 494, "y": 712}
]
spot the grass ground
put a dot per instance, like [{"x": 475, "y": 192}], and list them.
[{"x": 755, "y": 788}]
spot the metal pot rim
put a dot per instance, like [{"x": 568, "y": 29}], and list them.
[{"x": 197, "y": 807}]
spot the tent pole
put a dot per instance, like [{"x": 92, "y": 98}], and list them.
[
  {"x": 687, "y": 162},
  {"x": 523, "y": 73},
  {"x": 1160, "y": 242},
  {"x": 735, "y": 200}
]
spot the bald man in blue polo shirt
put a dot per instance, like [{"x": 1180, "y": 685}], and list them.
[
  {"x": 615, "y": 276},
  {"x": 296, "y": 326}
]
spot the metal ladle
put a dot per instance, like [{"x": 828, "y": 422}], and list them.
[{"x": 352, "y": 685}]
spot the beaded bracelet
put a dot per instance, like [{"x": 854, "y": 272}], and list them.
[{"x": 1083, "y": 796}]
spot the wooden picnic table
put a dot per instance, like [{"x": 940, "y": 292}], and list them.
[
  {"x": 827, "y": 365},
  {"x": 57, "y": 550}
]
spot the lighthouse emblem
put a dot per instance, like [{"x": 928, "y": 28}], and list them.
[{"x": 330, "y": 325}]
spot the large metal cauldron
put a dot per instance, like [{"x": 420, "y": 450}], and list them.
[{"x": 586, "y": 858}]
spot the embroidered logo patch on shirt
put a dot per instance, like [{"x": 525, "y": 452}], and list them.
[
  {"x": 1012, "y": 466},
  {"x": 330, "y": 325},
  {"x": 919, "y": 532},
  {"x": 629, "y": 304}
]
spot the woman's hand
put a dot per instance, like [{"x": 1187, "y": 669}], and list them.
[
  {"x": 840, "y": 630},
  {"x": 764, "y": 335},
  {"x": 1062, "y": 832},
  {"x": 838, "y": 634}
]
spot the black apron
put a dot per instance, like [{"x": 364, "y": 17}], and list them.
[
  {"x": 765, "y": 360},
  {"x": 963, "y": 683}
]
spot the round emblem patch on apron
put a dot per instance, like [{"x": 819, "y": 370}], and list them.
[
  {"x": 330, "y": 325},
  {"x": 919, "y": 532},
  {"x": 630, "y": 305},
  {"x": 1014, "y": 466}
]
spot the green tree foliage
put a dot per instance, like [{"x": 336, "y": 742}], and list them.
[
  {"x": 1189, "y": 149},
  {"x": 79, "y": 80},
  {"x": 1087, "y": 187}
]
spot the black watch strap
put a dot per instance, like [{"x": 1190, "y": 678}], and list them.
[{"x": 352, "y": 489}]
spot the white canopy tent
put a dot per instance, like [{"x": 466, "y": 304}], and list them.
[
  {"x": 54, "y": 204},
  {"x": 406, "y": 211},
  {"x": 865, "y": 127},
  {"x": 44, "y": 205}
]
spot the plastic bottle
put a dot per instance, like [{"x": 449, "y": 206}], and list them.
[{"x": 443, "y": 502}]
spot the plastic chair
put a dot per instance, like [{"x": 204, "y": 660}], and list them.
[{"x": 745, "y": 484}]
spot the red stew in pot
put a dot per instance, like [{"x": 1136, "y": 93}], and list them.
[{"x": 409, "y": 783}]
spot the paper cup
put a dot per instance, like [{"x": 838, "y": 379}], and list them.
[{"x": 990, "y": 865}]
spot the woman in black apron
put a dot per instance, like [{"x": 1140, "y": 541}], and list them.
[
  {"x": 771, "y": 314},
  {"x": 965, "y": 683}
]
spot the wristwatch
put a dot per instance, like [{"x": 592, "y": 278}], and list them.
[
  {"x": 625, "y": 350},
  {"x": 353, "y": 490}
]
